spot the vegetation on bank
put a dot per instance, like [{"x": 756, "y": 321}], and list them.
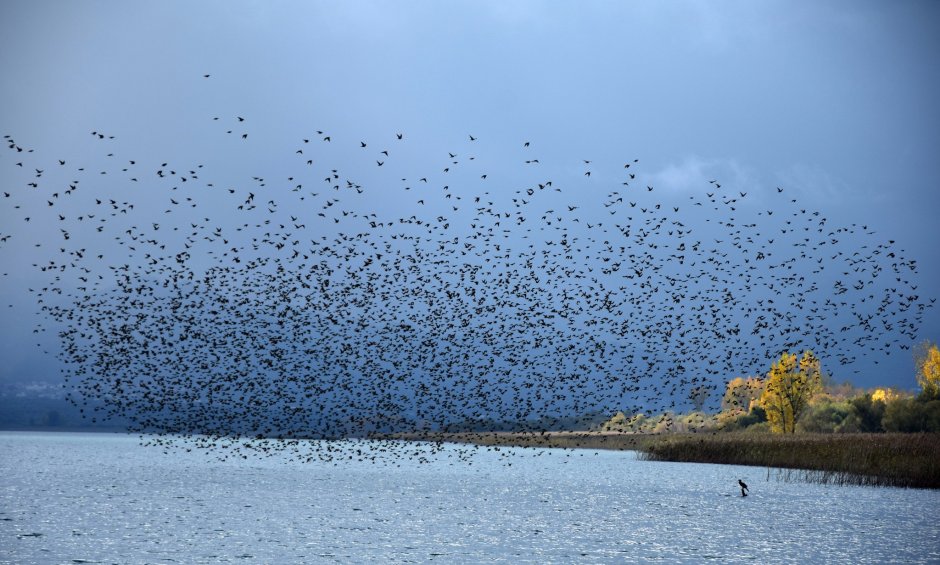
[
  {"x": 794, "y": 419},
  {"x": 795, "y": 396},
  {"x": 892, "y": 459}
]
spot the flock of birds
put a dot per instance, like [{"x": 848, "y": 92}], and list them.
[{"x": 228, "y": 311}]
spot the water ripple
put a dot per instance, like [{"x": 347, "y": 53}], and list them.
[{"x": 76, "y": 498}]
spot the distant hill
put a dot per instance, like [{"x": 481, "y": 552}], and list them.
[
  {"x": 22, "y": 411},
  {"x": 38, "y": 406}
]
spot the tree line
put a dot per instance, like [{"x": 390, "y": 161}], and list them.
[{"x": 795, "y": 396}]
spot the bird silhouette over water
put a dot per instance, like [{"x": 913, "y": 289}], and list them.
[{"x": 330, "y": 306}]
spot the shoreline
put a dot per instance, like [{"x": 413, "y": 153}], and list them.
[
  {"x": 884, "y": 459},
  {"x": 614, "y": 441}
]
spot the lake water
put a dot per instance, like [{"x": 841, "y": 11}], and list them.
[{"x": 104, "y": 498}]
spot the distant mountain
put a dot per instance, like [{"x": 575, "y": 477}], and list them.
[{"x": 43, "y": 406}]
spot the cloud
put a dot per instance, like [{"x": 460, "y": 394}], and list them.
[
  {"x": 821, "y": 187},
  {"x": 693, "y": 173}
]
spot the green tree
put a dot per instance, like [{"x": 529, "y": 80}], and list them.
[
  {"x": 912, "y": 416},
  {"x": 790, "y": 385},
  {"x": 870, "y": 409},
  {"x": 752, "y": 419},
  {"x": 829, "y": 417}
]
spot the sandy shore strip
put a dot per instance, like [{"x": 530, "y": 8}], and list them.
[{"x": 562, "y": 439}]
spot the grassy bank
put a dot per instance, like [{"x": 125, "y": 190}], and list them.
[{"x": 900, "y": 460}]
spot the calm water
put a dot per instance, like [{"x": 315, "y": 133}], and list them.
[{"x": 101, "y": 498}]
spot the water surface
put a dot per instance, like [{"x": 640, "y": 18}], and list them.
[{"x": 104, "y": 498}]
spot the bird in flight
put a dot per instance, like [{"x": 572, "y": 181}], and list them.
[{"x": 642, "y": 299}]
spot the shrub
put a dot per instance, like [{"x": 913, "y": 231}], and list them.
[
  {"x": 912, "y": 415},
  {"x": 870, "y": 411},
  {"x": 758, "y": 428},
  {"x": 828, "y": 417},
  {"x": 756, "y": 416}
]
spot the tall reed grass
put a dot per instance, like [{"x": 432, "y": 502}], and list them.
[{"x": 897, "y": 460}]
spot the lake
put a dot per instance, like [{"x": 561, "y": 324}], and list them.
[{"x": 105, "y": 498}]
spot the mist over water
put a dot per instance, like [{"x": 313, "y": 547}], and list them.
[{"x": 104, "y": 498}]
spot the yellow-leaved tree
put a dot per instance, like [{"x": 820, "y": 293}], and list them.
[
  {"x": 927, "y": 362},
  {"x": 788, "y": 388},
  {"x": 741, "y": 393},
  {"x": 885, "y": 395}
]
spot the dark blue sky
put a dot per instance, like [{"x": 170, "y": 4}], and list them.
[{"x": 834, "y": 101}]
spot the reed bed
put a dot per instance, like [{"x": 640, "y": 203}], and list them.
[{"x": 896, "y": 460}]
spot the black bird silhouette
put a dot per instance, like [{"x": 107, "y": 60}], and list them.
[{"x": 225, "y": 325}]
